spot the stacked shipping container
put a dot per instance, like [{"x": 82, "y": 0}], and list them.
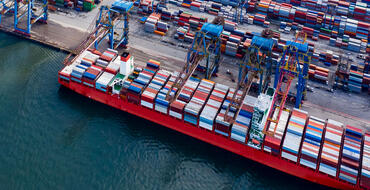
[
  {"x": 161, "y": 103},
  {"x": 331, "y": 148},
  {"x": 211, "y": 109},
  {"x": 177, "y": 106},
  {"x": 365, "y": 169},
  {"x": 240, "y": 127},
  {"x": 197, "y": 101},
  {"x": 273, "y": 141},
  {"x": 350, "y": 161},
  {"x": 293, "y": 135},
  {"x": 150, "y": 93},
  {"x": 312, "y": 142}
]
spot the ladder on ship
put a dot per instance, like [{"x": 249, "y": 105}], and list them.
[{"x": 289, "y": 68}]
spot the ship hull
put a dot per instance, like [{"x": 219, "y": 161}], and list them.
[{"x": 209, "y": 137}]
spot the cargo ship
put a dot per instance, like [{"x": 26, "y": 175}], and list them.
[{"x": 319, "y": 150}]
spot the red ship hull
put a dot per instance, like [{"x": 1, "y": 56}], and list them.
[{"x": 210, "y": 137}]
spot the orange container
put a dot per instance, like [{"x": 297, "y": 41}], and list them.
[
  {"x": 223, "y": 47},
  {"x": 322, "y": 69},
  {"x": 185, "y": 5},
  {"x": 159, "y": 32}
]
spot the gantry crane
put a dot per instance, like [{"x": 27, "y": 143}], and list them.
[
  {"x": 294, "y": 63},
  {"x": 254, "y": 63},
  {"x": 32, "y": 11},
  {"x": 105, "y": 26},
  {"x": 205, "y": 48},
  {"x": 28, "y": 8},
  {"x": 238, "y": 15},
  {"x": 5, "y": 7},
  {"x": 115, "y": 20}
]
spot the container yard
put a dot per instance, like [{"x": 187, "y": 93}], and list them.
[{"x": 281, "y": 83}]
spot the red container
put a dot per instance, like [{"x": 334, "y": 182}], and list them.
[
  {"x": 223, "y": 128},
  {"x": 272, "y": 142}
]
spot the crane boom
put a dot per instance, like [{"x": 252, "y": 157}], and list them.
[{"x": 289, "y": 69}]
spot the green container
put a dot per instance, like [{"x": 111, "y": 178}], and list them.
[
  {"x": 59, "y": 4},
  {"x": 88, "y": 6},
  {"x": 131, "y": 77},
  {"x": 325, "y": 30},
  {"x": 187, "y": 13}
]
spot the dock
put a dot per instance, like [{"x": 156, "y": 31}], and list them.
[{"x": 67, "y": 37}]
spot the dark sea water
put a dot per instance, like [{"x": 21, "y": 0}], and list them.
[{"x": 52, "y": 138}]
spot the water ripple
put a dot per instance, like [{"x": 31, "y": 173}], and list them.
[{"x": 52, "y": 138}]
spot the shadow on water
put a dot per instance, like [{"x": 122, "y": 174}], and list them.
[
  {"x": 188, "y": 148},
  {"x": 74, "y": 132}
]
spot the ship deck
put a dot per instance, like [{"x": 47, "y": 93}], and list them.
[{"x": 209, "y": 137}]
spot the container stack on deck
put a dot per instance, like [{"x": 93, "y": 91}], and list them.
[
  {"x": 222, "y": 124},
  {"x": 331, "y": 148},
  {"x": 150, "y": 93},
  {"x": 312, "y": 142},
  {"x": 177, "y": 106},
  {"x": 350, "y": 161},
  {"x": 103, "y": 81},
  {"x": 197, "y": 101},
  {"x": 293, "y": 135},
  {"x": 210, "y": 110},
  {"x": 273, "y": 142},
  {"x": 161, "y": 104},
  {"x": 139, "y": 84},
  {"x": 240, "y": 127},
  {"x": 365, "y": 170}
]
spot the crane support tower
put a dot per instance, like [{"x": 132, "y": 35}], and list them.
[
  {"x": 294, "y": 63},
  {"x": 105, "y": 27},
  {"x": 27, "y": 8},
  {"x": 256, "y": 61},
  {"x": 261, "y": 47},
  {"x": 6, "y": 6},
  {"x": 205, "y": 51},
  {"x": 238, "y": 15},
  {"x": 25, "y": 13},
  {"x": 115, "y": 20},
  {"x": 206, "y": 48}
]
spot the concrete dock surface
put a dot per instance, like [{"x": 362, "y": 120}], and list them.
[{"x": 66, "y": 29}]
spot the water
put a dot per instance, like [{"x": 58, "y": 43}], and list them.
[{"x": 52, "y": 138}]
